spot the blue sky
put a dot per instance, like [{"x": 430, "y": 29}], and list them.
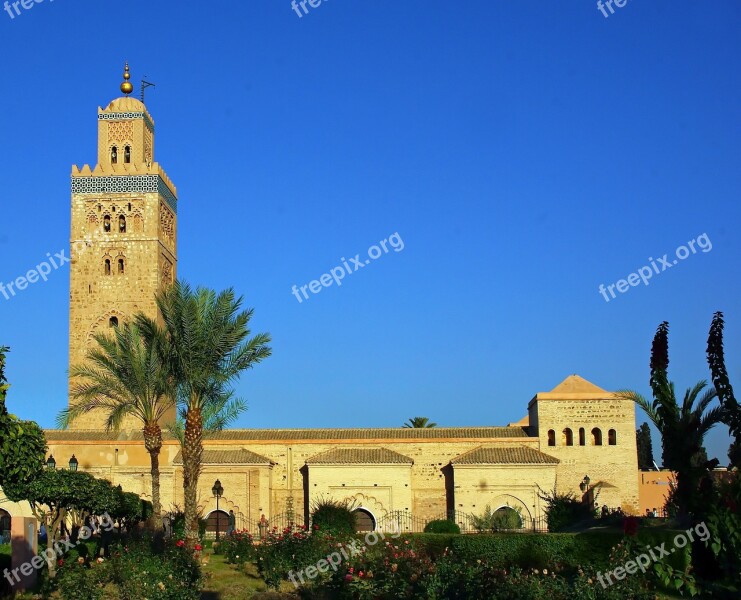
[{"x": 525, "y": 152}]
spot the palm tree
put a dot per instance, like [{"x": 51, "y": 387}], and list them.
[
  {"x": 125, "y": 377},
  {"x": 209, "y": 346},
  {"x": 419, "y": 423},
  {"x": 683, "y": 428}
]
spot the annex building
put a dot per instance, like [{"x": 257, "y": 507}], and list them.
[{"x": 124, "y": 249}]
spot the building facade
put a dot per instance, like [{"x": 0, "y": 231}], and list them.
[{"x": 124, "y": 228}]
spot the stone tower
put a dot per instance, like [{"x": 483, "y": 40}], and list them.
[
  {"x": 593, "y": 434},
  {"x": 123, "y": 232}
]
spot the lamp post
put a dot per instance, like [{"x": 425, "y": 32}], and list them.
[
  {"x": 50, "y": 462},
  {"x": 73, "y": 463},
  {"x": 584, "y": 485},
  {"x": 218, "y": 492}
]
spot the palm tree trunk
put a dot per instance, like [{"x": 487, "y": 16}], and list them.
[
  {"x": 153, "y": 444},
  {"x": 192, "y": 452}
]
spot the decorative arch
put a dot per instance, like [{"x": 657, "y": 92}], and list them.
[
  {"x": 103, "y": 323},
  {"x": 368, "y": 503},
  {"x": 364, "y": 520},
  {"x": 508, "y": 500}
]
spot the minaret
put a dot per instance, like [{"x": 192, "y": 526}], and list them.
[{"x": 124, "y": 227}]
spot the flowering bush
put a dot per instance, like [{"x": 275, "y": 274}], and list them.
[
  {"x": 238, "y": 548},
  {"x": 80, "y": 578},
  {"x": 404, "y": 569},
  {"x": 141, "y": 573},
  {"x": 282, "y": 551}
]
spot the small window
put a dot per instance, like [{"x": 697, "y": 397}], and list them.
[
  {"x": 114, "y": 155},
  {"x": 551, "y": 437},
  {"x": 107, "y": 223},
  {"x": 127, "y": 154},
  {"x": 582, "y": 437},
  {"x": 122, "y": 224},
  {"x": 129, "y": 206},
  {"x": 107, "y": 267},
  {"x": 612, "y": 437},
  {"x": 121, "y": 266},
  {"x": 568, "y": 437},
  {"x": 596, "y": 436},
  {"x": 113, "y": 322}
]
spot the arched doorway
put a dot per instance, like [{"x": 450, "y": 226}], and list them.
[
  {"x": 364, "y": 520},
  {"x": 507, "y": 517},
  {"x": 223, "y": 519},
  {"x": 4, "y": 526}
]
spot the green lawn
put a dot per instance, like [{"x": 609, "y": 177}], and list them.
[{"x": 226, "y": 582}]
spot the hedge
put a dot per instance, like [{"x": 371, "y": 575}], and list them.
[{"x": 538, "y": 550}]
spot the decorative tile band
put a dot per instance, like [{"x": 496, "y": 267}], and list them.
[
  {"x": 125, "y": 116},
  {"x": 125, "y": 184}
]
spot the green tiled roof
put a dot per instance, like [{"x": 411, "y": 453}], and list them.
[
  {"x": 228, "y": 457},
  {"x": 521, "y": 455},
  {"x": 270, "y": 435},
  {"x": 359, "y": 456}
]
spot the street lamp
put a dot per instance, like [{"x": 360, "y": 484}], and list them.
[
  {"x": 218, "y": 491},
  {"x": 584, "y": 485},
  {"x": 50, "y": 462},
  {"x": 73, "y": 463}
]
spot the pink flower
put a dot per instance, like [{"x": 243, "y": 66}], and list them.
[
  {"x": 180, "y": 544},
  {"x": 199, "y": 547}
]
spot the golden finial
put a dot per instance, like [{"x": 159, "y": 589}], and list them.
[{"x": 126, "y": 86}]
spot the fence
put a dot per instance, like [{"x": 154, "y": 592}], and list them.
[{"x": 406, "y": 522}]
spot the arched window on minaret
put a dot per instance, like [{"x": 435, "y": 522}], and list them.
[
  {"x": 107, "y": 266},
  {"x": 122, "y": 224},
  {"x": 113, "y": 322},
  {"x": 114, "y": 155},
  {"x": 551, "y": 437},
  {"x": 568, "y": 437},
  {"x": 107, "y": 223},
  {"x": 121, "y": 266},
  {"x": 596, "y": 436},
  {"x": 127, "y": 154},
  {"x": 612, "y": 437},
  {"x": 582, "y": 437}
]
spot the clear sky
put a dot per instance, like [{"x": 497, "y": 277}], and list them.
[{"x": 524, "y": 152}]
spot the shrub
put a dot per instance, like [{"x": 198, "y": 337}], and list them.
[
  {"x": 291, "y": 549},
  {"x": 442, "y": 526},
  {"x": 333, "y": 516},
  {"x": 82, "y": 578},
  {"x": 141, "y": 573},
  {"x": 501, "y": 519},
  {"x": 238, "y": 548},
  {"x": 564, "y": 510},
  {"x": 4, "y": 564}
]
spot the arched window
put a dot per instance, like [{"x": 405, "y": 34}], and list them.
[
  {"x": 568, "y": 437},
  {"x": 114, "y": 155},
  {"x": 113, "y": 322},
  {"x": 121, "y": 266},
  {"x": 612, "y": 437},
  {"x": 107, "y": 266},
  {"x": 107, "y": 223},
  {"x": 582, "y": 437},
  {"x": 127, "y": 154},
  {"x": 551, "y": 437},
  {"x": 596, "y": 436},
  {"x": 122, "y": 224}
]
